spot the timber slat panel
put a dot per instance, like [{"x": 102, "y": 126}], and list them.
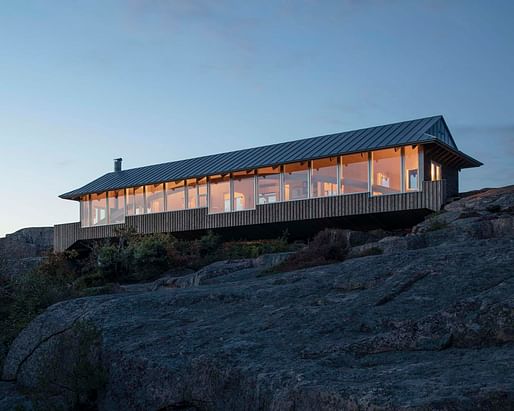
[{"x": 432, "y": 197}]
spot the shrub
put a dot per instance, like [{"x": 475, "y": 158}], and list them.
[
  {"x": 252, "y": 249},
  {"x": 328, "y": 246},
  {"x": 151, "y": 256},
  {"x": 209, "y": 244}
]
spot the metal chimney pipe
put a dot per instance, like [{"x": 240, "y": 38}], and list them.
[{"x": 117, "y": 164}]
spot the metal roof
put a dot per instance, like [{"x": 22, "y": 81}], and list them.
[{"x": 424, "y": 130}]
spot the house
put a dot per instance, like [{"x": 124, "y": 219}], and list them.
[{"x": 376, "y": 176}]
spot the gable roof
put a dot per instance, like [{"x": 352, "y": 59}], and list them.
[{"x": 424, "y": 130}]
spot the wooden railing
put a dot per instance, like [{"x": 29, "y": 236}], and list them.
[{"x": 431, "y": 197}]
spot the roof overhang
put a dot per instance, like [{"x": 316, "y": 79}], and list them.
[{"x": 452, "y": 157}]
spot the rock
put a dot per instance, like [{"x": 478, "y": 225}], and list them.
[
  {"x": 419, "y": 329},
  {"x": 270, "y": 260},
  {"x": 24, "y": 249},
  {"x": 425, "y": 322},
  {"x": 491, "y": 200},
  {"x": 11, "y": 399},
  {"x": 211, "y": 273}
]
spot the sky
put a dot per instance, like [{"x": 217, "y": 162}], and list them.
[{"x": 84, "y": 82}]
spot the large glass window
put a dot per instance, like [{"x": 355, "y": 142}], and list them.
[
  {"x": 175, "y": 195},
  {"x": 202, "y": 192},
  {"x": 354, "y": 173},
  {"x": 116, "y": 206},
  {"x": 296, "y": 181},
  {"x": 139, "y": 200},
  {"x": 386, "y": 166},
  {"x": 219, "y": 194},
  {"x": 268, "y": 184},
  {"x": 154, "y": 198},
  {"x": 324, "y": 177},
  {"x": 84, "y": 211},
  {"x": 411, "y": 172},
  {"x": 98, "y": 209},
  {"x": 244, "y": 191},
  {"x": 192, "y": 193},
  {"x": 129, "y": 194}
]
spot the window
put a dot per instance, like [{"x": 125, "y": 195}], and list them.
[
  {"x": 411, "y": 172},
  {"x": 139, "y": 200},
  {"x": 354, "y": 173},
  {"x": 84, "y": 211},
  {"x": 324, "y": 177},
  {"x": 296, "y": 181},
  {"x": 243, "y": 191},
  {"x": 154, "y": 198},
  {"x": 192, "y": 193},
  {"x": 130, "y": 201},
  {"x": 435, "y": 171},
  {"x": 116, "y": 206},
  {"x": 175, "y": 196},
  {"x": 98, "y": 209},
  {"x": 202, "y": 192},
  {"x": 219, "y": 194},
  {"x": 386, "y": 174},
  {"x": 268, "y": 185}
]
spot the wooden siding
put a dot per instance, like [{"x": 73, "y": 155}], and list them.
[{"x": 431, "y": 197}]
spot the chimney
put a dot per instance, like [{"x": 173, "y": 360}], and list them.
[{"x": 117, "y": 164}]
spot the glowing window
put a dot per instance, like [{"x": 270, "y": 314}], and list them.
[
  {"x": 324, "y": 177},
  {"x": 296, "y": 181},
  {"x": 219, "y": 194},
  {"x": 244, "y": 191},
  {"x": 129, "y": 199},
  {"x": 84, "y": 211},
  {"x": 386, "y": 171},
  {"x": 98, "y": 209},
  {"x": 354, "y": 173},
  {"x": 411, "y": 172},
  {"x": 175, "y": 196},
  {"x": 192, "y": 193},
  {"x": 154, "y": 198},
  {"x": 139, "y": 200},
  {"x": 202, "y": 192},
  {"x": 116, "y": 206},
  {"x": 268, "y": 185},
  {"x": 435, "y": 171}
]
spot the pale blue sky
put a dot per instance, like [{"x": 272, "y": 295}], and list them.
[{"x": 83, "y": 82}]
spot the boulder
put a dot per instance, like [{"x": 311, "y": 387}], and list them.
[
  {"x": 490, "y": 200},
  {"x": 24, "y": 249},
  {"x": 11, "y": 399},
  {"x": 419, "y": 329},
  {"x": 421, "y": 321}
]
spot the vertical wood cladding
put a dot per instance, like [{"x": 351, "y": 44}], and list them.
[
  {"x": 431, "y": 197},
  {"x": 450, "y": 173}
]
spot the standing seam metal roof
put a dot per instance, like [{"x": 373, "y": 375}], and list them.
[{"x": 430, "y": 129}]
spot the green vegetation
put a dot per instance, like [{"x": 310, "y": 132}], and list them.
[
  {"x": 328, "y": 246},
  {"x": 127, "y": 259}
]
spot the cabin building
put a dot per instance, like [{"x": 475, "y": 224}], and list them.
[{"x": 379, "y": 176}]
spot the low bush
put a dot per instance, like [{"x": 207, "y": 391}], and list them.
[{"x": 328, "y": 246}]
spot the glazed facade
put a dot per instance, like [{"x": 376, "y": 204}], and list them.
[{"x": 378, "y": 172}]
